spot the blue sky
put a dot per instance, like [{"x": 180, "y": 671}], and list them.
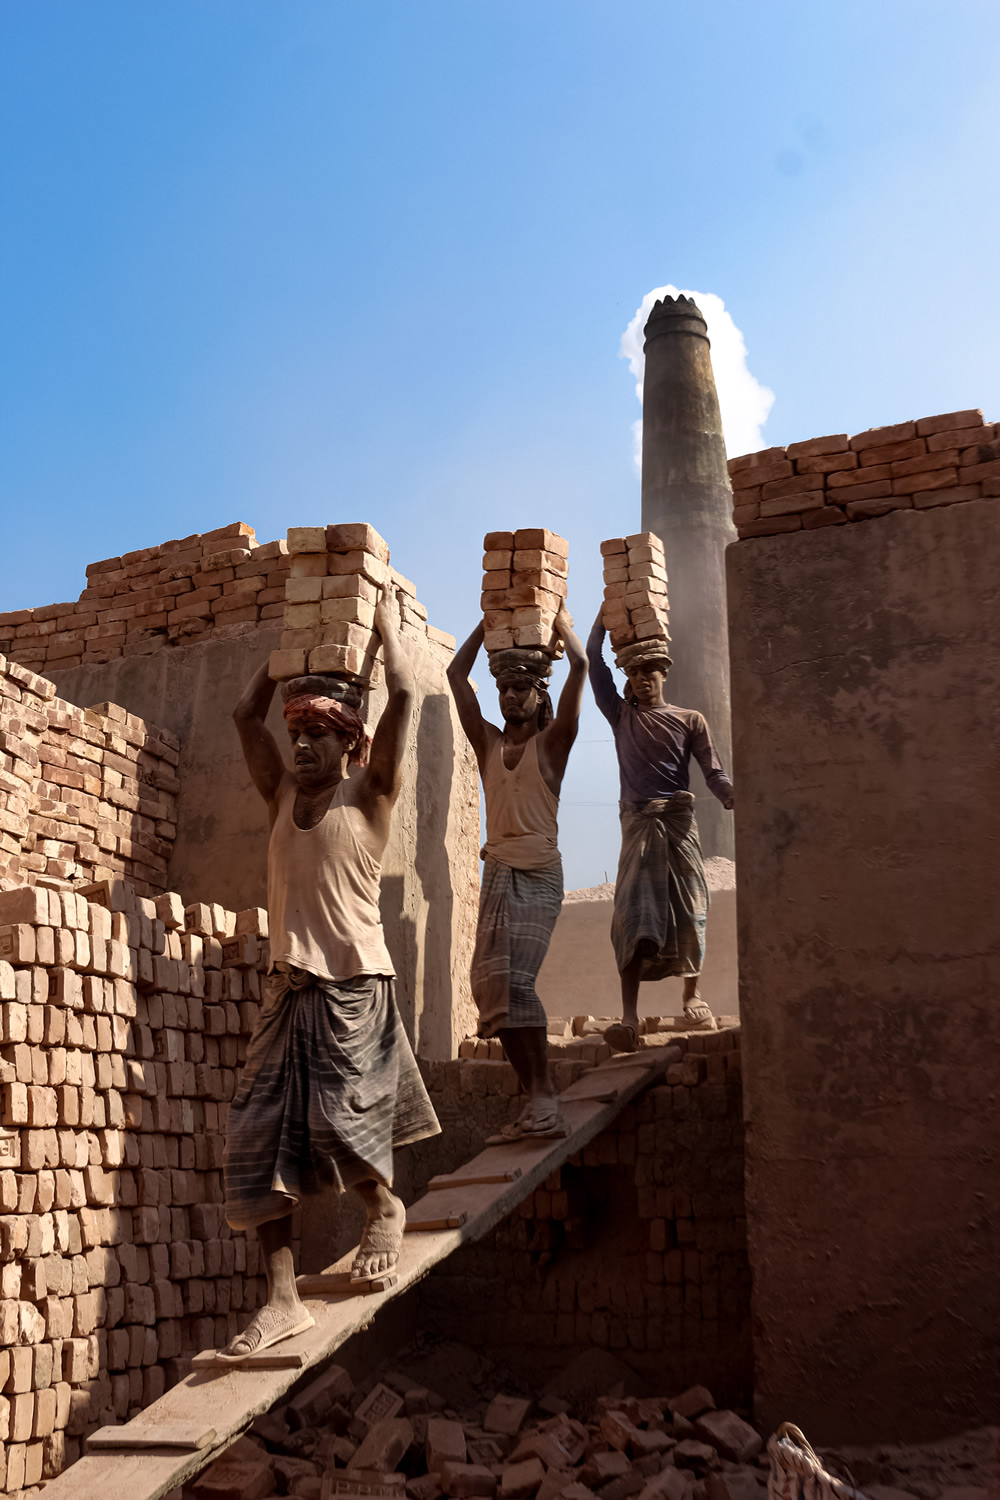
[{"x": 297, "y": 262}]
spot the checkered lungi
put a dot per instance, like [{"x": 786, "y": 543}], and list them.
[
  {"x": 517, "y": 912},
  {"x": 661, "y": 895},
  {"x": 329, "y": 1087}
]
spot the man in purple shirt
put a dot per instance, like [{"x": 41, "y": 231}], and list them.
[{"x": 661, "y": 895}]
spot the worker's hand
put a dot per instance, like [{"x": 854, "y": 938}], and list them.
[
  {"x": 599, "y": 622},
  {"x": 728, "y": 804},
  {"x": 563, "y": 620},
  {"x": 388, "y": 610}
]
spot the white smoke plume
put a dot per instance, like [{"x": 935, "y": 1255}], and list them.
[{"x": 743, "y": 401}]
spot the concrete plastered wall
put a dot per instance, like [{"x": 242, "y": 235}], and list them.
[
  {"x": 430, "y": 884},
  {"x": 866, "y": 714},
  {"x": 580, "y": 977}
]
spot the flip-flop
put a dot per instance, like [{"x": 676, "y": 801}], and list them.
[
  {"x": 280, "y": 1327},
  {"x": 622, "y": 1037},
  {"x": 699, "y": 1017},
  {"x": 554, "y": 1127},
  {"x": 378, "y": 1238}
]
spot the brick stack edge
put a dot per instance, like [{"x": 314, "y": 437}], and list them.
[
  {"x": 658, "y": 1275},
  {"x": 84, "y": 792},
  {"x": 826, "y": 481},
  {"x": 211, "y": 586},
  {"x": 124, "y": 1021}
]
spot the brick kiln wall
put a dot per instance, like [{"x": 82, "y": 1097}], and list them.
[
  {"x": 638, "y": 1244},
  {"x": 85, "y": 793},
  {"x": 117, "y": 1060},
  {"x": 205, "y": 587},
  {"x": 825, "y": 481}
]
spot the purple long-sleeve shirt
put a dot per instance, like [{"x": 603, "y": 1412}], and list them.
[{"x": 655, "y": 745}]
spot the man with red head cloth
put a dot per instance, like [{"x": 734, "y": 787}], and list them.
[{"x": 330, "y": 1084}]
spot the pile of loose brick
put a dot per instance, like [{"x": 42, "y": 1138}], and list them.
[
  {"x": 335, "y": 577},
  {"x": 124, "y": 1022},
  {"x": 943, "y": 460},
  {"x": 636, "y": 607},
  {"x": 85, "y": 793},
  {"x": 524, "y": 586},
  {"x": 216, "y": 584},
  {"x": 399, "y": 1440}
]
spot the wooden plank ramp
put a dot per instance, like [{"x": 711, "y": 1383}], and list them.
[{"x": 153, "y": 1460}]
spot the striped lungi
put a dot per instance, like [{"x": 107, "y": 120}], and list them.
[
  {"x": 661, "y": 895},
  {"x": 329, "y": 1087},
  {"x": 517, "y": 912}
]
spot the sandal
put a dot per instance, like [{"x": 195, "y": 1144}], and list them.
[
  {"x": 379, "y": 1237},
  {"x": 530, "y": 1127},
  {"x": 698, "y": 1016},
  {"x": 267, "y": 1327},
  {"x": 622, "y": 1037}
]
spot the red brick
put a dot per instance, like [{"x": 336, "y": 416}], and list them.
[
  {"x": 879, "y": 435},
  {"x": 754, "y": 460},
  {"x": 924, "y": 499},
  {"x": 941, "y": 479},
  {"x": 956, "y": 437},
  {"x": 864, "y": 510},
  {"x": 851, "y": 477},
  {"x": 890, "y": 453},
  {"x": 976, "y": 473},
  {"x": 972, "y": 417},
  {"x": 827, "y": 515},
  {"x": 770, "y": 526},
  {"x": 826, "y": 463},
  {"x": 813, "y": 447},
  {"x": 792, "y": 504},
  {"x": 762, "y": 474}
]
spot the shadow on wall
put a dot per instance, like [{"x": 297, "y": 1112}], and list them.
[{"x": 435, "y": 771}]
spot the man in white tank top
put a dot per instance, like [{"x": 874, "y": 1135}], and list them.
[
  {"x": 330, "y": 1084},
  {"x": 522, "y": 768}
]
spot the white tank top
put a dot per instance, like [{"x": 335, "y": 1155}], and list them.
[{"x": 322, "y": 895}]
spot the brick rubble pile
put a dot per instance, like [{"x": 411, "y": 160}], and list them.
[
  {"x": 826, "y": 481},
  {"x": 636, "y": 607},
  {"x": 85, "y": 793},
  {"x": 397, "y": 1440}
]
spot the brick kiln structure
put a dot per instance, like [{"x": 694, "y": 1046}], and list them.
[{"x": 865, "y": 638}]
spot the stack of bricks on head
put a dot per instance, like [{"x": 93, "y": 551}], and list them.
[
  {"x": 124, "y": 1022},
  {"x": 947, "y": 459},
  {"x": 635, "y": 609},
  {"x": 335, "y": 578},
  {"x": 524, "y": 588}
]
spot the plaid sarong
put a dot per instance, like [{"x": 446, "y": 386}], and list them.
[
  {"x": 517, "y": 912},
  {"x": 329, "y": 1087},
  {"x": 661, "y": 895}
]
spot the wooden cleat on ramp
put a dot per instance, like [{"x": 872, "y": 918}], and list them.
[
  {"x": 343, "y": 1284},
  {"x": 138, "y": 1434},
  {"x": 275, "y": 1358}
]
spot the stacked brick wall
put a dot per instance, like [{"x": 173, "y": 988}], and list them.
[
  {"x": 211, "y": 586},
  {"x": 827, "y": 481},
  {"x": 637, "y": 1245},
  {"x": 123, "y": 1024},
  {"x": 85, "y": 793},
  {"x": 179, "y": 592}
]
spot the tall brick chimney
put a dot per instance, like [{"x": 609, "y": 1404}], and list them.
[{"x": 686, "y": 500}]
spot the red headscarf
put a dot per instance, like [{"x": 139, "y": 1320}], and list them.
[{"x": 312, "y": 708}]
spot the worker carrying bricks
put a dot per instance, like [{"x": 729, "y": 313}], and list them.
[
  {"x": 330, "y": 1084},
  {"x": 661, "y": 895},
  {"x": 522, "y": 767}
]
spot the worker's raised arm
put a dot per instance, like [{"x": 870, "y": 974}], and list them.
[
  {"x": 562, "y": 731},
  {"x": 260, "y": 750},
  {"x": 389, "y": 740},
  {"x": 602, "y": 681},
  {"x": 464, "y": 694}
]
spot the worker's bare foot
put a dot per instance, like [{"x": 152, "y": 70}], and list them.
[
  {"x": 270, "y": 1325},
  {"x": 382, "y": 1234}
]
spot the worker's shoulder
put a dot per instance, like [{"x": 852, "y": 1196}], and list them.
[{"x": 692, "y": 717}]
